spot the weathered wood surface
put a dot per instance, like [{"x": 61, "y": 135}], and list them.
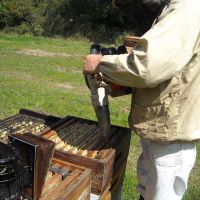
[
  {"x": 80, "y": 144},
  {"x": 26, "y": 121},
  {"x": 76, "y": 186},
  {"x": 99, "y": 153},
  {"x": 101, "y": 168}
]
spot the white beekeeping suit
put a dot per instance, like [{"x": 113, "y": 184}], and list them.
[{"x": 164, "y": 69}]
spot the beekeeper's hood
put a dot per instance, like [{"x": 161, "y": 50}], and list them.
[{"x": 154, "y": 4}]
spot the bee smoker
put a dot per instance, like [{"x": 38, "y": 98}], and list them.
[
  {"x": 24, "y": 163},
  {"x": 10, "y": 173}
]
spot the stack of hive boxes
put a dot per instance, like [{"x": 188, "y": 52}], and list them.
[{"x": 81, "y": 147}]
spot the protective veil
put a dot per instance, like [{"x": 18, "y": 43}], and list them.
[{"x": 140, "y": 14}]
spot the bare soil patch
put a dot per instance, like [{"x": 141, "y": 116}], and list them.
[
  {"x": 43, "y": 53},
  {"x": 64, "y": 86},
  {"x": 18, "y": 75}
]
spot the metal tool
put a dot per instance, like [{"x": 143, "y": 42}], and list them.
[{"x": 99, "y": 97}]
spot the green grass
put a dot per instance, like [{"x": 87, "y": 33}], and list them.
[{"x": 55, "y": 84}]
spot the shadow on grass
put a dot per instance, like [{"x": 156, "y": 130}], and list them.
[
  {"x": 129, "y": 187},
  {"x": 193, "y": 193}
]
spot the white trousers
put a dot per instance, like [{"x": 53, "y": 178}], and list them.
[{"x": 163, "y": 170}]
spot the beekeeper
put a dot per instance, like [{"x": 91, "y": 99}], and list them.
[{"x": 164, "y": 69}]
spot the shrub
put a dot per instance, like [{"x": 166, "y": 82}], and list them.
[{"x": 95, "y": 19}]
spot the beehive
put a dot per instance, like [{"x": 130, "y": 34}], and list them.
[
  {"x": 79, "y": 141},
  {"x": 26, "y": 121},
  {"x": 71, "y": 183}
]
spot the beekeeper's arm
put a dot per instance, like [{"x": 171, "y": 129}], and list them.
[{"x": 161, "y": 53}]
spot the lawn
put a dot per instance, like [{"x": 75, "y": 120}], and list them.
[{"x": 45, "y": 74}]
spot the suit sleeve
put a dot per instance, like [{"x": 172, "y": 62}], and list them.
[{"x": 161, "y": 53}]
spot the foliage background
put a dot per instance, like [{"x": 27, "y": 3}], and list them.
[{"x": 94, "y": 19}]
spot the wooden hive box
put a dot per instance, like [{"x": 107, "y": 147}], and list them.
[
  {"x": 79, "y": 141},
  {"x": 66, "y": 182},
  {"x": 120, "y": 141},
  {"x": 106, "y": 157},
  {"x": 26, "y": 121}
]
